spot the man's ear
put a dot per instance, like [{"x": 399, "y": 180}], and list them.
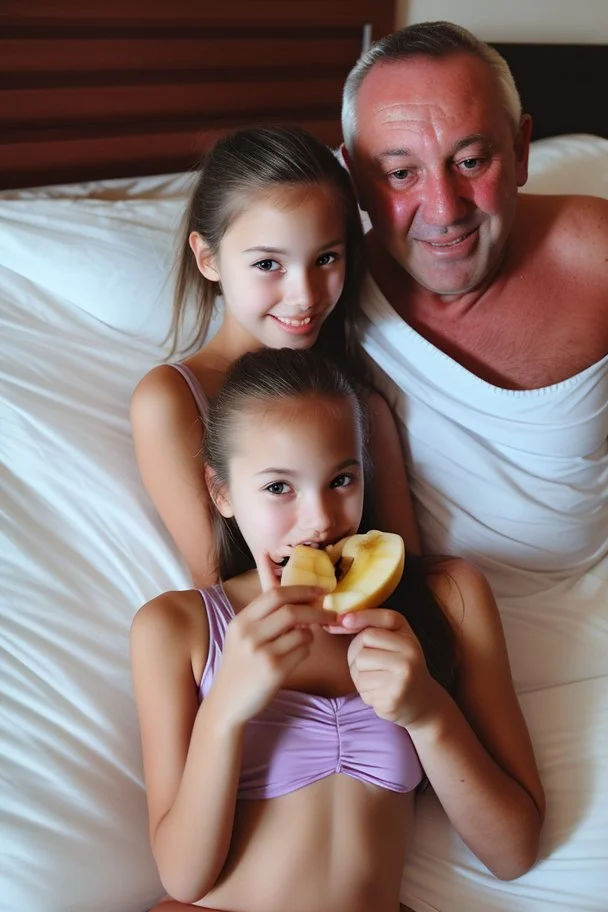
[
  {"x": 522, "y": 149},
  {"x": 346, "y": 158},
  {"x": 218, "y": 494},
  {"x": 349, "y": 165},
  {"x": 205, "y": 259}
]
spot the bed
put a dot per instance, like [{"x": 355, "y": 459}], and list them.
[{"x": 102, "y": 112}]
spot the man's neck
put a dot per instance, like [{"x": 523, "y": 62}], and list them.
[{"x": 415, "y": 303}]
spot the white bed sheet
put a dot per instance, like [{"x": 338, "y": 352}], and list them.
[{"x": 85, "y": 298}]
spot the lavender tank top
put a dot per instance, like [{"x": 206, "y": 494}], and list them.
[
  {"x": 301, "y": 738},
  {"x": 194, "y": 386}
]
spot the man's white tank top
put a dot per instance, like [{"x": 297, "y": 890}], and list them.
[{"x": 512, "y": 479}]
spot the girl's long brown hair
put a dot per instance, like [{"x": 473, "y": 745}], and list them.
[
  {"x": 274, "y": 375},
  {"x": 237, "y": 168}
]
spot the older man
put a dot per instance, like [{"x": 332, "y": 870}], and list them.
[{"x": 488, "y": 309}]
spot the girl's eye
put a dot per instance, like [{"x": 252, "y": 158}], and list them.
[
  {"x": 277, "y": 488},
  {"x": 342, "y": 481},
  {"x": 327, "y": 258},
  {"x": 267, "y": 265}
]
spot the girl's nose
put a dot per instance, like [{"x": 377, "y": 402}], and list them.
[
  {"x": 316, "y": 518},
  {"x": 300, "y": 292}
]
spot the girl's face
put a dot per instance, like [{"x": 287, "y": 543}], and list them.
[
  {"x": 297, "y": 476},
  {"x": 281, "y": 265}
]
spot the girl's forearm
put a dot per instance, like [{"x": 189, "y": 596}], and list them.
[
  {"x": 494, "y": 815},
  {"x": 191, "y": 842}
]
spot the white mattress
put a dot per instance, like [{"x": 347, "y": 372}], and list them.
[{"x": 85, "y": 298}]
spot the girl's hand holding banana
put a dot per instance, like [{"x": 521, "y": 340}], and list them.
[
  {"x": 386, "y": 660},
  {"x": 265, "y": 642},
  {"x": 388, "y": 667}
]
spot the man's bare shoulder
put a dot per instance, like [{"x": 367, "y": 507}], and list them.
[{"x": 566, "y": 223}]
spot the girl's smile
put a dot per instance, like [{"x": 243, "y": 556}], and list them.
[
  {"x": 296, "y": 482},
  {"x": 281, "y": 265}
]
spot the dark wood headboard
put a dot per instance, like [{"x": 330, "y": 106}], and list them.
[
  {"x": 561, "y": 85},
  {"x": 109, "y": 88}
]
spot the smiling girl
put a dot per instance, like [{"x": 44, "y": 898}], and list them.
[
  {"x": 273, "y": 227},
  {"x": 281, "y": 758}
]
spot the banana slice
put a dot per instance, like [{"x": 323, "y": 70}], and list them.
[
  {"x": 369, "y": 568},
  {"x": 309, "y": 567},
  {"x": 373, "y": 565}
]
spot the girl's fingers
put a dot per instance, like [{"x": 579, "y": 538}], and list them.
[
  {"x": 298, "y": 638},
  {"x": 336, "y": 629},
  {"x": 286, "y": 618},
  {"x": 379, "y": 618},
  {"x": 368, "y": 682},
  {"x": 377, "y": 659},
  {"x": 384, "y": 643},
  {"x": 273, "y": 599}
]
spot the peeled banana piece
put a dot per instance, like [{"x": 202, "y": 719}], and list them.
[
  {"x": 358, "y": 572},
  {"x": 309, "y": 567}
]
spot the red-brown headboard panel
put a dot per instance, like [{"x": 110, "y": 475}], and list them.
[{"x": 109, "y": 88}]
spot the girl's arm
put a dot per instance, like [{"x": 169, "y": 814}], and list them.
[
  {"x": 390, "y": 491},
  {"x": 168, "y": 436},
  {"x": 191, "y": 755},
  {"x": 192, "y": 752},
  {"x": 475, "y": 749}
]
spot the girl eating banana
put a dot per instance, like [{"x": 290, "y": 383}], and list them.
[{"x": 285, "y": 734}]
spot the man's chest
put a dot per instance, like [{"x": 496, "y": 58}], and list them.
[{"x": 524, "y": 342}]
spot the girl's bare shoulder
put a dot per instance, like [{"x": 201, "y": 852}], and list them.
[
  {"x": 172, "y": 625},
  {"x": 161, "y": 388},
  {"x": 462, "y": 590}
]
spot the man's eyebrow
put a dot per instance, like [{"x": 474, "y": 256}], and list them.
[
  {"x": 471, "y": 140},
  {"x": 393, "y": 153},
  {"x": 461, "y": 144},
  {"x": 277, "y": 470}
]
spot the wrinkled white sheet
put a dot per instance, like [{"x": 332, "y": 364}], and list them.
[
  {"x": 517, "y": 481},
  {"x": 85, "y": 302}
]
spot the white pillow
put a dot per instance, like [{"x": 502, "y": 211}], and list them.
[
  {"x": 85, "y": 295},
  {"x": 111, "y": 259},
  {"x": 156, "y": 186},
  {"x": 576, "y": 163}
]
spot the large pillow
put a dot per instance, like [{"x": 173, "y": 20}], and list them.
[
  {"x": 575, "y": 163},
  {"x": 85, "y": 297},
  {"x": 110, "y": 259}
]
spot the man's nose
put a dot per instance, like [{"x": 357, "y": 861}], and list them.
[{"x": 444, "y": 201}]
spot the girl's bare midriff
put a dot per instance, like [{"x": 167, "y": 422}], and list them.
[{"x": 338, "y": 844}]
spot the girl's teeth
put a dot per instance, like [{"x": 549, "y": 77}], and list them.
[{"x": 289, "y": 322}]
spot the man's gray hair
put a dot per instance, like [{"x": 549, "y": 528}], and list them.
[{"x": 426, "y": 39}]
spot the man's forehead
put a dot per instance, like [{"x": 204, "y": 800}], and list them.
[
  {"x": 430, "y": 81},
  {"x": 427, "y": 96}
]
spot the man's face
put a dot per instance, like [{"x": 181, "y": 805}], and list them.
[{"x": 437, "y": 166}]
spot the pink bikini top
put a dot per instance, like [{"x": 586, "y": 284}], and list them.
[
  {"x": 301, "y": 738},
  {"x": 194, "y": 386}
]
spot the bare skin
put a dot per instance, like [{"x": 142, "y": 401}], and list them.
[
  {"x": 511, "y": 286},
  {"x": 542, "y": 319},
  {"x": 352, "y": 835},
  {"x": 168, "y": 435},
  {"x": 167, "y": 429}
]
